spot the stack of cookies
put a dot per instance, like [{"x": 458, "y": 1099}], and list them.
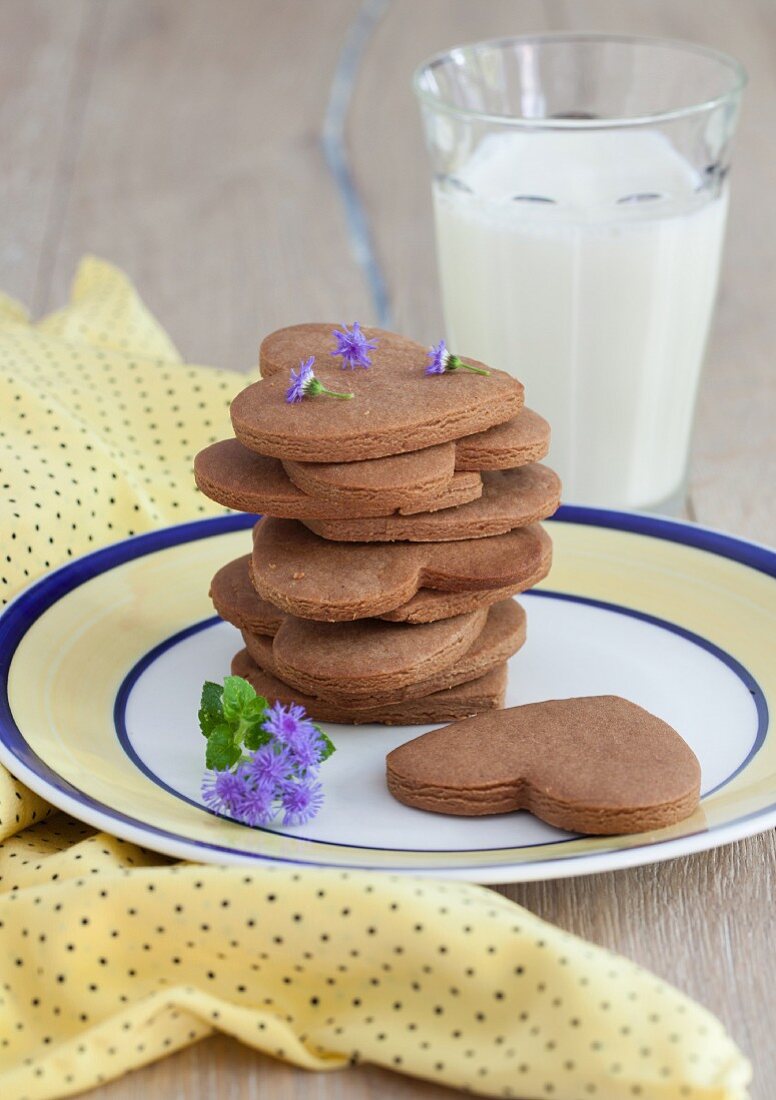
[{"x": 400, "y": 515}]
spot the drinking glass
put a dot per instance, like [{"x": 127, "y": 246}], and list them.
[{"x": 580, "y": 186}]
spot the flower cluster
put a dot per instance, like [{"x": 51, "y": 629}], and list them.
[
  {"x": 305, "y": 384},
  {"x": 262, "y": 760},
  {"x": 442, "y": 361},
  {"x": 353, "y": 346}
]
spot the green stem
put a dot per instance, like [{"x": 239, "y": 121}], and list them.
[
  {"x": 333, "y": 393},
  {"x": 317, "y": 387}
]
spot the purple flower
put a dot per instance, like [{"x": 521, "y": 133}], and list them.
[
  {"x": 300, "y": 381},
  {"x": 301, "y": 801},
  {"x": 439, "y": 357},
  {"x": 269, "y": 765},
  {"x": 306, "y": 749},
  {"x": 305, "y": 384},
  {"x": 287, "y": 723},
  {"x": 291, "y": 726},
  {"x": 443, "y": 361},
  {"x": 353, "y": 346},
  {"x": 223, "y": 790},
  {"x": 256, "y": 804}
]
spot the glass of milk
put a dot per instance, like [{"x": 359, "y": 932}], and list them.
[{"x": 580, "y": 193}]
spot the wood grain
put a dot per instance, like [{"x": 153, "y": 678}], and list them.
[
  {"x": 182, "y": 141},
  {"x": 199, "y": 169},
  {"x": 41, "y": 102}
]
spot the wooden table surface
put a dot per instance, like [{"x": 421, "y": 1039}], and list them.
[{"x": 206, "y": 147}]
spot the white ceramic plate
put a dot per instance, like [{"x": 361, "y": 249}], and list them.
[{"x": 102, "y": 662}]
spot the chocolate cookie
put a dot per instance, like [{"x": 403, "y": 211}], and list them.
[
  {"x": 523, "y": 439},
  {"x": 404, "y": 482},
  {"x": 473, "y": 697},
  {"x": 407, "y": 481},
  {"x": 597, "y": 765},
  {"x": 236, "y": 600},
  {"x": 397, "y": 407},
  {"x": 510, "y": 498},
  {"x": 241, "y": 479},
  {"x": 336, "y": 581},
  {"x": 369, "y": 659},
  {"x": 429, "y": 604},
  {"x": 370, "y": 662}
]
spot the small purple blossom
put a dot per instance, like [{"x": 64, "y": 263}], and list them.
[
  {"x": 223, "y": 790},
  {"x": 285, "y": 722},
  {"x": 353, "y": 346},
  {"x": 442, "y": 361},
  {"x": 300, "y": 800},
  {"x": 305, "y": 384},
  {"x": 292, "y": 726},
  {"x": 269, "y": 765},
  {"x": 306, "y": 750},
  {"x": 256, "y": 805},
  {"x": 301, "y": 381},
  {"x": 439, "y": 357}
]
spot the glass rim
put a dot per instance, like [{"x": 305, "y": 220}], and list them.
[{"x": 737, "y": 71}]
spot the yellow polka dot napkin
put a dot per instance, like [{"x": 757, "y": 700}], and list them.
[{"x": 111, "y": 956}]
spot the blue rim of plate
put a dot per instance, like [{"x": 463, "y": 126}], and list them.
[{"x": 19, "y": 615}]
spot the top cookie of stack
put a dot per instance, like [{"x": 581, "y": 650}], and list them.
[
  {"x": 437, "y": 458},
  {"x": 406, "y": 444}
]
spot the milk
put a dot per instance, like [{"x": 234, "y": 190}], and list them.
[{"x": 599, "y": 301}]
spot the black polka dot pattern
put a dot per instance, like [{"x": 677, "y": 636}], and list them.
[
  {"x": 100, "y": 424},
  {"x": 113, "y": 956}
]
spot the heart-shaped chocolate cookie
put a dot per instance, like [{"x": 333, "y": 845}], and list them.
[
  {"x": 473, "y": 697},
  {"x": 369, "y": 659},
  {"x": 335, "y": 581},
  {"x": 510, "y": 498},
  {"x": 370, "y": 662},
  {"x": 523, "y": 439},
  {"x": 429, "y": 604},
  {"x": 406, "y": 482},
  {"x": 236, "y": 600},
  {"x": 241, "y": 479},
  {"x": 396, "y": 406},
  {"x": 597, "y": 765}
]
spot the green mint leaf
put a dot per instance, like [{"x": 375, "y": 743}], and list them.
[
  {"x": 255, "y": 709},
  {"x": 256, "y": 736},
  {"x": 211, "y": 711},
  {"x": 221, "y": 750},
  {"x": 238, "y": 695},
  {"x": 328, "y": 744},
  {"x": 251, "y": 727}
]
